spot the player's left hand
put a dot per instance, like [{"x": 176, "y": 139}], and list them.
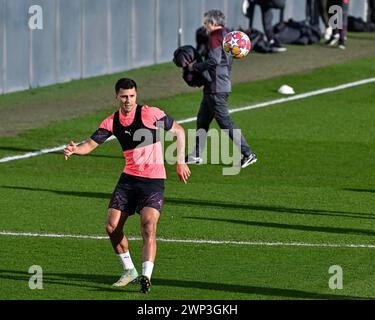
[
  {"x": 190, "y": 66},
  {"x": 70, "y": 149},
  {"x": 183, "y": 172}
]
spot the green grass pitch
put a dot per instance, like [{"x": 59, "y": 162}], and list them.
[{"x": 314, "y": 183}]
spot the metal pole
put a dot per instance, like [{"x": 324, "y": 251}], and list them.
[
  {"x": 179, "y": 31},
  {"x": 82, "y": 20},
  {"x": 31, "y": 56},
  {"x": 57, "y": 40},
  {"x": 109, "y": 37},
  {"x": 156, "y": 31},
  {"x": 366, "y": 12},
  {"x": 4, "y": 46}
]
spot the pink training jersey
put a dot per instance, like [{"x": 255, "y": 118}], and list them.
[{"x": 142, "y": 160}]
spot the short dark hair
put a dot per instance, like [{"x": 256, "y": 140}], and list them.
[{"x": 125, "y": 83}]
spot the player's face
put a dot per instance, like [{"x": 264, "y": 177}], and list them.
[
  {"x": 127, "y": 99},
  {"x": 208, "y": 26}
]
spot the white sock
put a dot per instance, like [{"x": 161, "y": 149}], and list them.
[
  {"x": 147, "y": 268},
  {"x": 126, "y": 260}
]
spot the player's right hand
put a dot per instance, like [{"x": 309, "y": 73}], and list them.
[
  {"x": 70, "y": 149},
  {"x": 183, "y": 172}
]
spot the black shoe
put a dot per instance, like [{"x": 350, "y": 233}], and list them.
[
  {"x": 246, "y": 161},
  {"x": 276, "y": 46},
  {"x": 342, "y": 44},
  {"x": 333, "y": 40},
  {"x": 145, "y": 283},
  {"x": 190, "y": 159}
]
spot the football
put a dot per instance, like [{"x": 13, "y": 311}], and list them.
[{"x": 236, "y": 44}]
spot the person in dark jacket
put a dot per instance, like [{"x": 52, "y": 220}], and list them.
[
  {"x": 215, "y": 92},
  {"x": 266, "y": 7}
]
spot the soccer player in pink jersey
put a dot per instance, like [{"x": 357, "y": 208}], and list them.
[{"x": 141, "y": 185}]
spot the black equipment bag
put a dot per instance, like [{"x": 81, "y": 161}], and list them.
[{"x": 297, "y": 32}]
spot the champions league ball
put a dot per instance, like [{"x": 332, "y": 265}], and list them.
[{"x": 236, "y": 44}]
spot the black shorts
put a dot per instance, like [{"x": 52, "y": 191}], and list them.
[{"x": 133, "y": 193}]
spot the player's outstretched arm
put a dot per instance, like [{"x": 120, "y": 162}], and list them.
[
  {"x": 81, "y": 149},
  {"x": 183, "y": 170}
]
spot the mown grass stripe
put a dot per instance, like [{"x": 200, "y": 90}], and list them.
[{"x": 188, "y": 120}]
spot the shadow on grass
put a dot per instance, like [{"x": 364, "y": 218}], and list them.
[
  {"x": 251, "y": 207},
  {"x": 103, "y": 283},
  {"x": 70, "y": 280},
  {"x": 255, "y": 290},
  {"x": 360, "y": 190},
  {"x": 346, "y": 231},
  {"x": 83, "y": 194},
  {"x": 210, "y": 204}
]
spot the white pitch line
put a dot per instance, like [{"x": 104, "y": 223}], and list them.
[
  {"x": 32, "y": 154},
  {"x": 305, "y": 95},
  {"x": 187, "y": 120},
  {"x": 194, "y": 241},
  {"x": 295, "y": 97}
]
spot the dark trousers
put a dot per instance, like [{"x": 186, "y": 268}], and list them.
[
  {"x": 267, "y": 17},
  {"x": 323, "y": 9},
  {"x": 371, "y": 11},
  {"x": 345, "y": 10},
  {"x": 312, "y": 12},
  {"x": 216, "y": 106}
]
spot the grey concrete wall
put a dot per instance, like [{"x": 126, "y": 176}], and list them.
[{"x": 85, "y": 38}]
